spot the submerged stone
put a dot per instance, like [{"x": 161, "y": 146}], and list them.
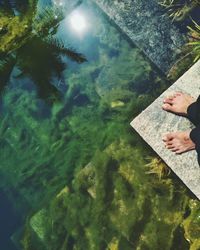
[
  {"x": 191, "y": 225},
  {"x": 117, "y": 104},
  {"x": 38, "y": 222}
]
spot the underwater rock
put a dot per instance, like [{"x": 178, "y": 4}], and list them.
[
  {"x": 85, "y": 178},
  {"x": 191, "y": 225},
  {"x": 121, "y": 212},
  {"x": 114, "y": 244},
  {"x": 117, "y": 104},
  {"x": 38, "y": 223}
]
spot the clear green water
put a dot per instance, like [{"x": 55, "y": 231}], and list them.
[{"x": 72, "y": 166}]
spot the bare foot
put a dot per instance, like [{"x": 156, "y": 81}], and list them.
[
  {"x": 178, "y": 103},
  {"x": 179, "y": 142}
]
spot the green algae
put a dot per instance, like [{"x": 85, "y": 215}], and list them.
[
  {"x": 184, "y": 14},
  {"x": 77, "y": 164},
  {"x": 107, "y": 207},
  {"x": 191, "y": 225}
]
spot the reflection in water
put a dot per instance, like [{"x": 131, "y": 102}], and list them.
[
  {"x": 41, "y": 61},
  {"x": 39, "y": 56},
  {"x": 6, "y": 67},
  {"x": 14, "y": 6},
  {"x": 76, "y": 163},
  {"x": 78, "y": 22}
]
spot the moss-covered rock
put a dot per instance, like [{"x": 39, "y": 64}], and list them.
[
  {"x": 120, "y": 211},
  {"x": 191, "y": 225}
]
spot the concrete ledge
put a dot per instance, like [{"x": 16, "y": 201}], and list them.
[
  {"x": 146, "y": 25},
  {"x": 153, "y": 122}
]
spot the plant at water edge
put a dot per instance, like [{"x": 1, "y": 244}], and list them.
[
  {"x": 179, "y": 10},
  {"x": 195, "y": 40},
  {"x": 158, "y": 167}
]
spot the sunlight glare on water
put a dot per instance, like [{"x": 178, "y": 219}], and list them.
[{"x": 78, "y": 22}]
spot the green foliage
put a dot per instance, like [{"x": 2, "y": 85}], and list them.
[
  {"x": 158, "y": 167},
  {"x": 179, "y": 10},
  {"x": 77, "y": 162},
  {"x": 107, "y": 205},
  {"x": 191, "y": 225},
  {"x": 47, "y": 21},
  {"x": 183, "y": 11},
  {"x": 6, "y": 67},
  {"x": 29, "y": 38},
  {"x": 195, "y": 41}
]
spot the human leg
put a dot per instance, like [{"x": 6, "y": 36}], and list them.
[{"x": 193, "y": 112}]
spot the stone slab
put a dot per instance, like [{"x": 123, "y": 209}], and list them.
[
  {"x": 153, "y": 122},
  {"x": 144, "y": 22}
]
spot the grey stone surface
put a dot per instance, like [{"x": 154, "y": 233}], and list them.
[
  {"x": 154, "y": 122},
  {"x": 144, "y": 23}
]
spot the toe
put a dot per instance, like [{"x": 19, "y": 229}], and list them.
[
  {"x": 175, "y": 149},
  {"x": 167, "y": 107},
  {"x": 170, "y": 146},
  {"x": 178, "y": 93},
  {"x": 168, "y": 137},
  {"x": 169, "y": 142},
  {"x": 180, "y": 151},
  {"x": 164, "y": 138},
  {"x": 168, "y": 100},
  {"x": 170, "y": 96}
]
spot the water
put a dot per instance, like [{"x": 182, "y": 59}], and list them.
[
  {"x": 68, "y": 151},
  {"x": 9, "y": 220}
]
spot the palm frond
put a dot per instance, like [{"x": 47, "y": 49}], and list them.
[
  {"x": 32, "y": 9},
  {"x": 59, "y": 46},
  {"x": 47, "y": 21},
  {"x": 6, "y": 67},
  {"x": 6, "y": 63}
]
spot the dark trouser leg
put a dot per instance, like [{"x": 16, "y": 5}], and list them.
[
  {"x": 195, "y": 137},
  {"x": 193, "y": 112}
]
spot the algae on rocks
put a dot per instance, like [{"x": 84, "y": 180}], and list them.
[
  {"x": 121, "y": 211},
  {"x": 75, "y": 161}
]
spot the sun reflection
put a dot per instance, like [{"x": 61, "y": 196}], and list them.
[{"x": 78, "y": 22}]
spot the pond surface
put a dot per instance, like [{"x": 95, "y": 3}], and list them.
[
  {"x": 9, "y": 220},
  {"x": 78, "y": 170}
]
